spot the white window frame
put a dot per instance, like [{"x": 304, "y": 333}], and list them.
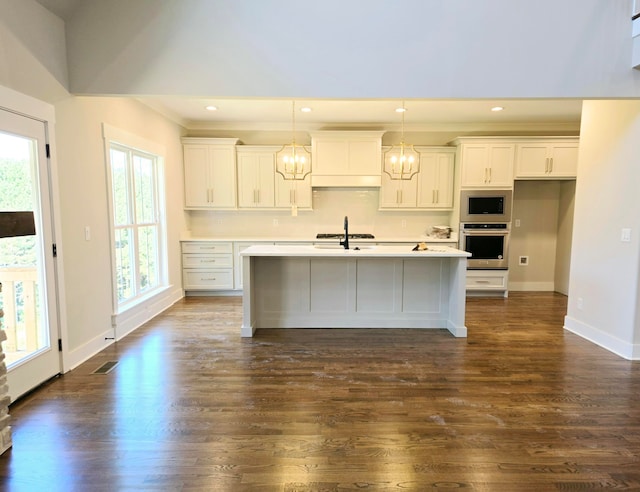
[{"x": 127, "y": 141}]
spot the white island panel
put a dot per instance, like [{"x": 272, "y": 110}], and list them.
[
  {"x": 331, "y": 285},
  {"x": 423, "y": 284},
  {"x": 376, "y": 286}
]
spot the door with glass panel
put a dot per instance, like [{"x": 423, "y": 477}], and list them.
[{"x": 27, "y": 264}]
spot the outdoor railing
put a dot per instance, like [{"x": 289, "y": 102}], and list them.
[{"x": 20, "y": 305}]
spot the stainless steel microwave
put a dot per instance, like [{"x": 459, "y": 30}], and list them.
[{"x": 485, "y": 206}]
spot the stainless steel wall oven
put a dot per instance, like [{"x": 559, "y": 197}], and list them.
[{"x": 488, "y": 244}]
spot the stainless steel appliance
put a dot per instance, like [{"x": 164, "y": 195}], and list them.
[
  {"x": 488, "y": 244},
  {"x": 485, "y": 206}
]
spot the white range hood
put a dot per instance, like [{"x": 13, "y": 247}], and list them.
[{"x": 346, "y": 158}]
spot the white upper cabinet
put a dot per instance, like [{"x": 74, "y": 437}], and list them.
[
  {"x": 210, "y": 173},
  {"x": 346, "y": 158},
  {"x": 435, "y": 180},
  {"x": 551, "y": 159},
  {"x": 487, "y": 165},
  {"x": 431, "y": 188},
  {"x": 485, "y": 162},
  {"x": 256, "y": 182},
  {"x": 398, "y": 193},
  {"x": 293, "y": 193}
]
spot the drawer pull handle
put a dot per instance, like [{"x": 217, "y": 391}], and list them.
[
  {"x": 212, "y": 278},
  {"x": 482, "y": 281}
]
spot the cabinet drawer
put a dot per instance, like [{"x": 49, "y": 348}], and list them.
[
  {"x": 206, "y": 247},
  {"x": 200, "y": 279},
  {"x": 207, "y": 261},
  {"x": 486, "y": 282}
]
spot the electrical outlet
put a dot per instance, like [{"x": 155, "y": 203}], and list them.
[
  {"x": 404, "y": 224},
  {"x": 517, "y": 222},
  {"x": 275, "y": 222},
  {"x": 523, "y": 260},
  {"x": 87, "y": 233},
  {"x": 580, "y": 303},
  {"x": 625, "y": 235}
]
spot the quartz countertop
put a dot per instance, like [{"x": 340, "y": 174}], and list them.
[
  {"x": 371, "y": 251},
  {"x": 307, "y": 239}
]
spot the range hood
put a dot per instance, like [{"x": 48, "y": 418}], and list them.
[
  {"x": 346, "y": 159},
  {"x": 346, "y": 181}
]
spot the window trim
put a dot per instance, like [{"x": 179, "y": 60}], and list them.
[{"x": 134, "y": 142}]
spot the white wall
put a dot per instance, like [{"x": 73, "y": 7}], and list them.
[
  {"x": 83, "y": 197},
  {"x": 604, "y": 270},
  {"x": 355, "y": 48}
]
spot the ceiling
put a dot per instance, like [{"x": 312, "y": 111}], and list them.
[
  {"x": 556, "y": 115},
  {"x": 421, "y": 115}
]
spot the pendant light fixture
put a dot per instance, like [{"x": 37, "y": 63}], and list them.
[
  {"x": 401, "y": 162},
  {"x": 293, "y": 161}
]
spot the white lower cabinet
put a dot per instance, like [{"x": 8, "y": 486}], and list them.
[{"x": 207, "y": 265}]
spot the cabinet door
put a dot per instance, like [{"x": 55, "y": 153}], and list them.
[
  {"x": 293, "y": 192},
  {"x": 445, "y": 180},
  {"x": 501, "y": 159},
  {"x": 474, "y": 165},
  {"x": 487, "y": 165},
  {"x": 398, "y": 193},
  {"x": 564, "y": 160},
  {"x": 256, "y": 180},
  {"x": 547, "y": 160},
  {"x": 196, "y": 176},
  {"x": 531, "y": 160},
  {"x": 435, "y": 185},
  {"x": 222, "y": 176}
]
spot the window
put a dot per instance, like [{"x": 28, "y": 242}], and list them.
[{"x": 137, "y": 213}]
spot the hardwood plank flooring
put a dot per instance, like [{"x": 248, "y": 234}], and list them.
[{"x": 519, "y": 405}]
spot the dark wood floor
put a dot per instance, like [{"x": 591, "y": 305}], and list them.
[{"x": 518, "y": 405}]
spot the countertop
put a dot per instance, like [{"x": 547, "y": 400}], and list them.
[
  {"x": 372, "y": 251},
  {"x": 306, "y": 239}
]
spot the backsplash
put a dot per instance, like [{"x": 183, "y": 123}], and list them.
[{"x": 330, "y": 205}]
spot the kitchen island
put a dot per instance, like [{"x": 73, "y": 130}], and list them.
[{"x": 325, "y": 286}]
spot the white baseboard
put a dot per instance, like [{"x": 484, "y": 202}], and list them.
[
  {"x": 123, "y": 324},
  {"x": 212, "y": 293},
  {"x": 87, "y": 350},
  {"x": 605, "y": 340},
  {"x": 531, "y": 286},
  {"x": 126, "y": 322}
]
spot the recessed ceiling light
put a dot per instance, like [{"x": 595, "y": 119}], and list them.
[
  {"x": 305, "y": 110},
  {"x": 211, "y": 108},
  {"x": 401, "y": 110},
  {"x": 495, "y": 109}
]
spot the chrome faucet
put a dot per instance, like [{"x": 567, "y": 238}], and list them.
[{"x": 345, "y": 243}]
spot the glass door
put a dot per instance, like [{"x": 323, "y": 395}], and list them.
[{"x": 27, "y": 269}]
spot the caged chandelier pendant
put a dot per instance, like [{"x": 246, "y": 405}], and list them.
[
  {"x": 401, "y": 162},
  {"x": 293, "y": 161}
]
